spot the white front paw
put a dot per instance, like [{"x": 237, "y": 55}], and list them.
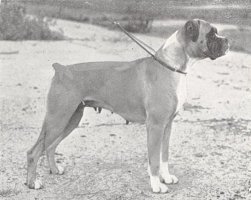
[
  {"x": 157, "y": 186},
  {"x": 170, "y": 179}
]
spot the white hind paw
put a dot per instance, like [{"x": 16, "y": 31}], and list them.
[
  {"x": 60, "y": 170},
  {"x": 38, "y": 184}
]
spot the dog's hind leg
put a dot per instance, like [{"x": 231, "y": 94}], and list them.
[
  {"x": 33, "y": 156},
  {"x": 61, "y": 104},
  {"x": 50, "y": 151}
]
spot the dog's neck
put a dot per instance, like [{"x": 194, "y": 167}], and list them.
[{"x": 174, "y": 54}]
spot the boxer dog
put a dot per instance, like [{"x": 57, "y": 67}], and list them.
[{"x": 143, "y": 91}]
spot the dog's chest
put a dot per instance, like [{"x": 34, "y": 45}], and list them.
[{"x": 181, "y": 92}]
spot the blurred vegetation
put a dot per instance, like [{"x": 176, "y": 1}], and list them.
[
  {"x": 220, "y": 11},
  {"x": 133, "y": 15},
  {"x": 135, "y": 23},
  {"x": 137, "y": 15},
  {"x": 16, "y": 25}
]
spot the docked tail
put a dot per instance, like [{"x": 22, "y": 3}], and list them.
[{"x": 62, "y": 70}]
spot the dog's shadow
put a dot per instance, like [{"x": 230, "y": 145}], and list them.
[
  {"x": 102, "y": 124},
  {"x": 114, "y": 124}
]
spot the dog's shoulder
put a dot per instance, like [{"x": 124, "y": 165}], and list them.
[
  {"x": 129, "y": 64},
  {"x": 94, "y": 66},
  {"x": 100, "y": 66}
]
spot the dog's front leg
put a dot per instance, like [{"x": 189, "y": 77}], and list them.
[
  {"x": 155, "y": 132},
  {"x": 164, "y": 154}
]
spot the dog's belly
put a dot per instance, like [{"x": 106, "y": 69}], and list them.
[
  {"x": 132, "y": 113},
  {"x": 119, "y": 91},
  {"x": 125, "y": 107}
]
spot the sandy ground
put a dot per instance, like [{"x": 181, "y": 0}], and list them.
[{"x": 106, "y": 159}]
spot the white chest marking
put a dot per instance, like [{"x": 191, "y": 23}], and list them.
[{"x": 181, "y": 92}]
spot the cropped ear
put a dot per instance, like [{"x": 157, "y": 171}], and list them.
[{"x": 192, "y": 30}]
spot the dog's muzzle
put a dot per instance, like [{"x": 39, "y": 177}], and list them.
[{"x": 217, "y": 46}]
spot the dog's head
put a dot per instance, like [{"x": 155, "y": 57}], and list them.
[{"x": 202, "y": 40}]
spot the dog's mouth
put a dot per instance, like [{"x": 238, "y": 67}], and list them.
[
  {"x": 208, "y": 54},
  {"x": 216, "y": 49},
  {"x": 217, "y": 46}
]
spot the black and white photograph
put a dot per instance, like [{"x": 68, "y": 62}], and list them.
[{"x": 125, "y": 99}]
